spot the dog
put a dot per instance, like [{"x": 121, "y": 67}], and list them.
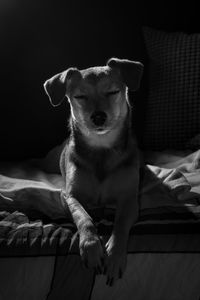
[{"x": 100, "y": 161}]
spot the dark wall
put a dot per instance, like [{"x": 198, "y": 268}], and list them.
[{"x": 39, "y": 38}]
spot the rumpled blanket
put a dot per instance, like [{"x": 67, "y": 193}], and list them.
[{"x": 32, "y": 209}]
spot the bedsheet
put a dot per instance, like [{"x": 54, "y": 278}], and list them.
[
  {"x": 31, "y": 207},
  {"x": 33, "y": 222}
]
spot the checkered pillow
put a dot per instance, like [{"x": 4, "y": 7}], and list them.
[{"x": 173, "y": 104}]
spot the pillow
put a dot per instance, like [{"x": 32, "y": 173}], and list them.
[{"x": 173, "y": 101}]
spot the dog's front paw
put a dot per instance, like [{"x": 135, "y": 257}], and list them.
[
  {"x": 115, "y": 264},
  {"x": 91, "y": 252}
]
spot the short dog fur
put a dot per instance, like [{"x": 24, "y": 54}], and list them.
[{"x": 100, "y": 160}]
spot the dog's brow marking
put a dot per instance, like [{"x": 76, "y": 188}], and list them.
[
  {"x": 112, "y": 92},
  {"x": 81, "y": 96}
]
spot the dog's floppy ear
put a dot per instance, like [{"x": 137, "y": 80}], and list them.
[
  {"x": 56, "y": 86},
  {"x": 130, "y": 71}
]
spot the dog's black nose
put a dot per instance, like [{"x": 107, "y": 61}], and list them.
[{"x": 98, "y": 118}]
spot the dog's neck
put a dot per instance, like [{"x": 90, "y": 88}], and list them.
[{"x": 102, "y": 140}]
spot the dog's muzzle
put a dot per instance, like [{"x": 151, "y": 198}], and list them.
[{"x": 98, "y": 118}]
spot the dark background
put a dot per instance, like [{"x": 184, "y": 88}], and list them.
[{"x": 39, "y": 38}]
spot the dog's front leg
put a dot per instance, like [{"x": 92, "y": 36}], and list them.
[
  {"x": 90, "y": 246},
  {"x": 116, "y": 247}
]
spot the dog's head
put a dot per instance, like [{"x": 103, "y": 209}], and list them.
[{"x": 97, "y": 95}]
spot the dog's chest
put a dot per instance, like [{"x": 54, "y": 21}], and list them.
[
  {"x": 102, "y": 177},
  {"x": 107, "y": 186},
  {"x": 100, "y": 171},
  {"x": 104, "y": 163},
  {"x": 116, "y": 185}
]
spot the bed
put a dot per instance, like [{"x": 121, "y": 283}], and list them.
[{"x": 39, "y": 256}]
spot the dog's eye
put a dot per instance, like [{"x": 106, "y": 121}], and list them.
[
  {"x": 112, "y": 93},
  {"x": 81, "y": 97}
]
